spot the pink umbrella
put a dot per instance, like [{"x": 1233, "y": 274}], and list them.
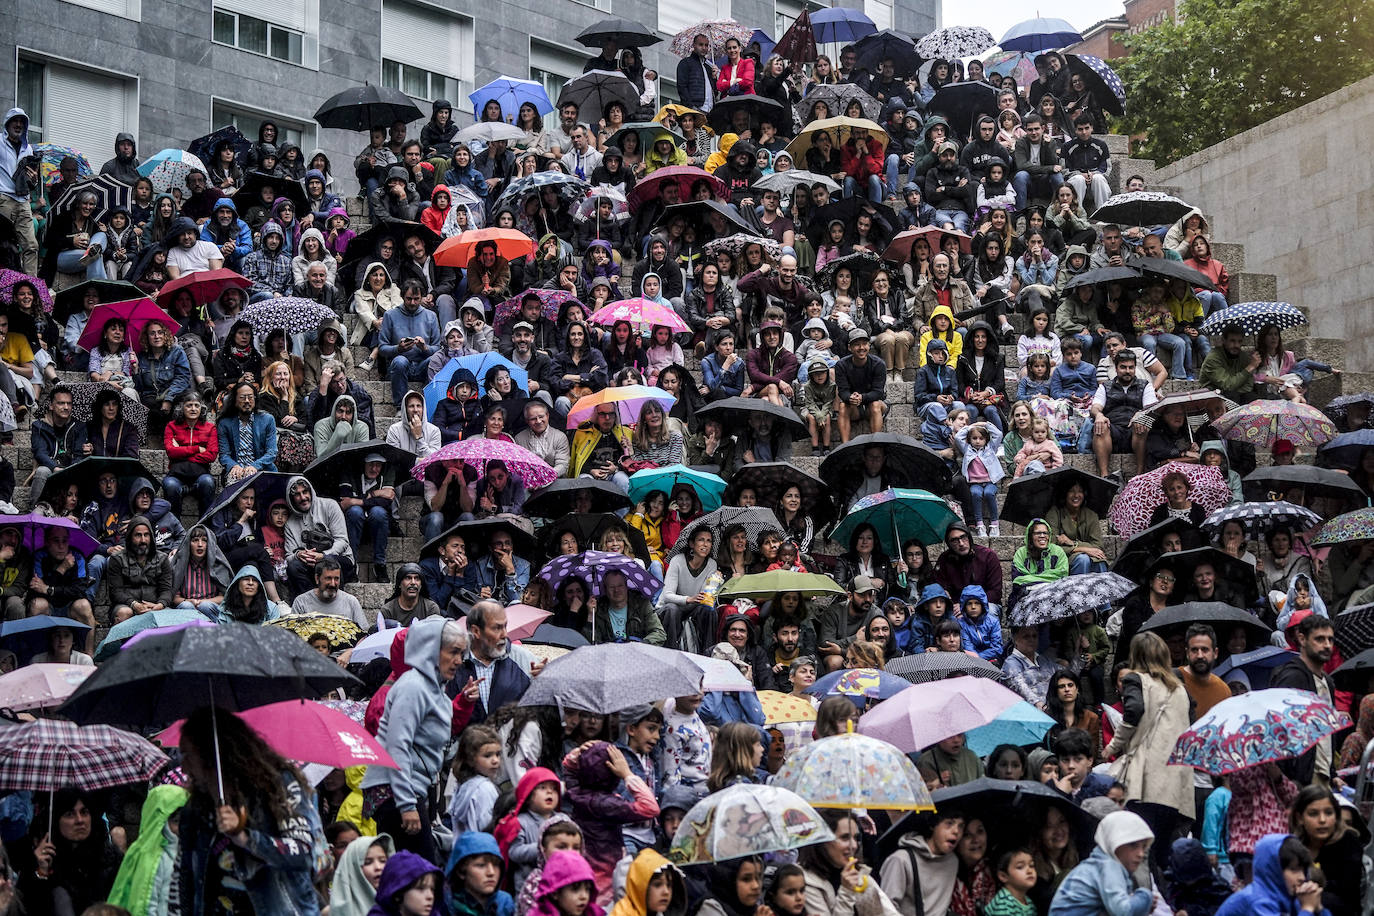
[
  {"x": 307, "y": 731},
  {"x": 522, "y": 620},
  {"x": 135, "y": 312},
  {"x": 1131, "y": 510},
  {"x": 41, "y": 686},
  {"x": 532, "y": 470},
  {"x": 642, "y": 314},
  {"x": 629, "y": 400},
  {"x": 926, "y": 714}
]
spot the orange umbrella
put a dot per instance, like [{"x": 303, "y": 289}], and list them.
[{"x": 458, "y": 251}]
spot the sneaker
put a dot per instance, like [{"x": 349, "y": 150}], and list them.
[
  {"x": 982, "y": 531},
  {"x": 1009, "y": 334},
  {"x": 995, "y": 531},
  {"x": 365, "y": 366},
  {"x": 379, "y": 573}
]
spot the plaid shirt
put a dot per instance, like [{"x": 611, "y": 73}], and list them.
[{"x": 269, "y": 274}]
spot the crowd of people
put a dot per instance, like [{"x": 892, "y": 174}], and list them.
[{"x": 917, "y": 243}]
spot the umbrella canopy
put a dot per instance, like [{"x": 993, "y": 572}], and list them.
[
  {"x": 737, "y": 242},
  {"x": 1039, "y": 34},
  {"x": 563, "y": 496},
  {"x": 489, "y": 132},
  {"x": 701, "y": 214},
  {"x": 746, "y": 820},
  {"x": 1254, "y": 728},
  {"x": 50, "y": 754},
  {"x": 629, "y": 400},
  {"x": 1032, "y": 497},
  {"x": 1232, "y": 572},
  {"x": 955, "y": 41},
  {"x": 1069, "y": 597},
  {"x": 250, "y": 194},
  {"x": 1251, "y": 317},
  {"x": 1255, "y": 664},
  {"x": 293, "y": 314},
  {"x": 783, "y": 707},
  {"x": 612, "y": 677},
  {"x": 234, "y": 666},
  {"x": 1135, "y": 504},
  {"x": 29, "y": 636},
  {"x": 898, "y": 514},
  {"x": 85, "y": 472},
  {"x": 477, "y": 534},
  {"x": 569, "y": 188},
  {"x": 41, "y": 686},
  {"x": 1020, "y": 725},
  {"x": 798, "y": 43},
  {"x": 754, "y": 519},
  {"x": 642, "y": 314},
  {"x": 1142, "y": 208},
  {"x": 906, "y": 463},
  {"x": 1106, "y": 87},
  {"x": 125, "y": 630},
  {"x": 1222, "y": 617},
  {"x": 167, "y": 170},
  {"x": 626, "y": 33},
  {"x": 532, "y": 470},
  {"x": 837, "y": 97},
  {"x": 1170, "y": 270},
  {"x": 1347, "y": 450},
  {"x": 884, "y": 44},
  {"x": 307, "y": 731},
  {"x": 109, "y": 192},
  {"x": 937, "y": 666},
  {"x": 588, "y": 528},
  {"x": 1313, "y": 482},
  {"x": 50, "y": 156},
  {"x": 1199, "y": 408},
  {"x": 840, "y": 129},
  {"x": 926, "y": 714},
  {"x": 268, "y": 486},
  {"x": 720, "y": 675},
  {"x": 1019, "y": 65},
  {"x": 841, "y": 24},
  {"x": 596, "y": 89},
  {"x": 1011, "y": 809},
  {"x": 861, "y": 264},
  {"x": 758, "y": 107},
  {"x": 591, "y": 567},
  {"x": 736, "y": 413},
  {"x": 1258, "y": 518},
  {"x": 547, "y": 634},
  {"x": 766, "y": 586},
  {"x": 684, "y": 176},
  {"x": 1339, "y": 407},
  {"x": 1354, "y": 630},
  {"x": 510, "y": 93},
  {"x": 718, "y": 31},
  {"x": 647, "y": 132},
  {"x": 1352, "y": 526},
  {"x": 962, "y": 104},
  {"x": 364, "y": 246},
  {"x": 479, "y": 364},
  {"x": 1103, "y": 275},
  {"x": 786, "y": 183},
  {"x": 365, "y": 107},
  {"x": 708, "y": 487},
  {"x": 771, "y": 479},
  {"x": 204, "y": 147},
  {"x": 69, "y": 300},
  {"x": 523, "y": 621},
  {"x": 1264, "y": 422},
  {"x": 135, "y": 313},
  {"x": 550, "y": 300},
  {"x": 459, "y": 250},
  {"x": 204, "y": 286},
  {"x": 33, "y": 530},
  {"x": 854, "y": 771},
  {"x": 1354, "y": 673},
  {"x": 859, "y": 685},
  {"x": 899, "y": 249},
  {"x": 344, "y": 466},
  {"x": 341, "y": 632}
]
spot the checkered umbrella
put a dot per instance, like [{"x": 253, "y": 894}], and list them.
[
  {"x": 1260, "y": 517},
  {"x": 50, "y": 754},
  {"x": 1069, "y": 597},
  {"x": 1251, "y": 317}
]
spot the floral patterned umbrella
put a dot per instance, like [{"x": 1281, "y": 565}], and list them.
[
  {"x": 642, "y": 314},
  {"x": 1251, "y": 317},
  {"x": 1256, "y": 727},
  {"x": 1069, "y": 596},
  {"x": 9, "y": 279},
  {"x": 532, "y": 470},
  {"x": 854, "y": 771},
  {"x": 717, "y": 30},
  {"x": 1262, "y": 423},
  {"x": 167, "y": 170},
  {"x": 745, "y": 820},
  {"x": 955, "y": 41},
  {"x": 551, "y": 299},
  {"x": 1133, "y": 506},
  {"x": 50, "y": 156},
  {"x": 1260, "y": 517},
  {"x": 735, "y": 244},
  {"x": 1352, "y": 526},
  {"x": 1142, "y": 208},
  {"x": 1016, "y": 64}
]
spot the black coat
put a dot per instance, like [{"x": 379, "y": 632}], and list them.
[{"x": 1295, "y": 674}]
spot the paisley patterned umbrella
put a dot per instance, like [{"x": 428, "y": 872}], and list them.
[
  {"x": 9, "y": 279},
  {"x": 1262, "y": 423},
  {"x": 532, "y": 470},
  {"x": 1102, "y": 81},
  {"x": 1131, "y": 511},
  {"x": 1142, "y": 208},
  {"x": 1257, "y": 727},
  {"x": 1252, "y": 316},
  {"x": 1352, "y": 526},
  {"x": 955, "y": 41},
  {"x": 1016, "y": 64},
  {"x": 1260, "y": 517},
  {"x": 854, "y": 771},
  {"x": 1069, "y": 596}
]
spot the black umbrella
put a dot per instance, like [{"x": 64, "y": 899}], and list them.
[
  {"x": 1355, "y": 629},
  {"x": 477, "y": 534},
  {"x": 936, "y": 666},
  {"x": 203, "y": 148},
  {"x": 1171, "y": 270},
  {"x": 961, "y": 104},
  {"x": 560, "y": 497},
  {"x": 874, "y": 49},
  {"x": 1141, "y": 208},
  {"x": 345, "y": 465},
  {"x": 1140, "y": 551},
  {"x": 594, "y": 90},
  {"x": 1231, "y": 571},
  {"x": 626, "y": 33},
  {"x": 67, "y": 302},
  {"x": 268, "y": 487},
  {"x": 1346, "y": 450},
  {"x": 364, "y": 246},
  {"x": 1104, "y": 275},
  {"x": 770, "y": 479},
  {"x": 907, "y": 463},
  {"x": 734, "y": 414},
  {"x": 755, "y": 520},
  {"x": 846, "y": 210},
  {"x": 1010, "y": 809},
  {"x": 1315, "y": 482},
  {"x": 86, "y": 471},
  {"x": 546, "y": 634},
  {"x": 109, "y": 193},
  {"x": 1221, "y": 617},
  {"x": 1354, "y": 673},
  {"x": 759, "y": 107},
  {"x": 588, "y": 529},
  {"x": 1032, "y": 497},
  {"x": 250, "y": 195},
  {"x": 365, "y": 107},
  {"x": 233, "y": 666},
  {"x": 861, "y": 264},
  {"x": 698, "y": 214}
]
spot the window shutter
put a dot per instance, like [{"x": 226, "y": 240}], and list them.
[
  {"x": 289, "y": 13},
  {"x": 84, "y": 110},
  {"x": 676, "y": 15},
  {"x": 416, "y": 36}
]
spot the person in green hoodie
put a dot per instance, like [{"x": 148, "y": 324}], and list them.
[
  {"x": 143, "y": 885},
  {"x": 1037, "y": 561}
]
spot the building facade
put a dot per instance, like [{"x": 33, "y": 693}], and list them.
[{"x": 168, "y": 71}]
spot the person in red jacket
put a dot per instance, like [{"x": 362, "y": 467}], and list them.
[
  {"x": 192, "y": 446},
  {"x": 737, "y": 76},
  {"x": 861, "y": 157}
]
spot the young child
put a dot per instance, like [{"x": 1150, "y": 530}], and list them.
[
  {"x": 1040, "y": 453},
  {"x": 983, "y": 470},
  {"x": 337, "y": 235},
  {"x": 122, "y": 244},
  {"x": 593, "y": 774},
  {"x": 566, "y": 887},
  {"x": 641, "y": 728},
  {"x": 1074, "y": 379},
  {"x": 1075, "y": 749},
  {"x": 1039, "y": 339},
  {"x": 817, "y": 402},
  {"x": 817, "y": 344},
  {"x": 981, "y": 631},
  {"x": 1194, "y": 888},
  {"x": 1104, "y": 881},
  {"x": 995, "y": 190},
  {"x": 786, "y": 893},
  {"x": 274, "y": 537},
  {"x": 685, "y": 751},
  {"x": 654, "y": 887},
  {"x": 942, "y": 328},
  {"x": 936, "y": 379},
  {"x": 476, "y": 769},
  {"x": 1036, "y": 380},
  {"x": 536, "y": 799},
  {"x": 833, "y": 246},
  {"x": 924, "y": 862},
  {"x": 1016, "y": 875},
  {"x": 409, "y": 887},
  {"x": 558, "y": 833},
  {"x": 932, "y": 609},
  {"x": 662, "y": 352},
  {"x": 474, "y": 873},
  {"x": 1282, "y": 881}
]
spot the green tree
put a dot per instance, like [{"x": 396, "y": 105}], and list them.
[{"x": 1230, "y": 65}]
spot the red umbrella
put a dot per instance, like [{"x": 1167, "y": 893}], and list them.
[
  {"x": 899, "y": 249},
  {"x": 798, "y": 43},
  {"x": 205, "y": 286},
  {"x": 307, "y": 731},
  {"x": 684, "y": 176},
  {"x": 458, "y": 251},
  {"x": 135, "y": 312}
]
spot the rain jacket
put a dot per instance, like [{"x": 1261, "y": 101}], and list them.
[
  {"x": 236, "y": 232},
  {"x": 934, "y": 380},
  {"x": 127, "y": 580},
  {"x": 1101, "y": 884},
  {"x": 459, "y": 420},
  {"x": 351, "y": 894},
  {"x": 519, "y": 832},
  {"x": 322, "y": 207},
  {"x": 920, "y": 630},
  {"x": 1267, "y": 894},
  {"x": 652, "y": 159},
  {"x": 166, "y": 525},
  {"x": 954, "y": 341},
  {"x": 432, "y": 216},
  {"x": 436, "y": 137},
  {"x": 983, "y": 635},
  {"x": 143, "y": 884},
  {"x": 417, "y": 722},
  {"x": 163, "y": 378},
  {"x": 402, "y": 870},
  {"x": 324, "y": 517},
  {"x": 643, "y": 868},
  {"x": 10, "y": 186},
  {"x": 126, "y": 170},
  {"x": 300, "y": 264},
  {"x": 456, "y": 898},
  {"x": 1052, "y": 564},
  {"x": 563, "y": 867},
  {"x": 369, "y": 306},
  {"x": 221, "y": 573}
]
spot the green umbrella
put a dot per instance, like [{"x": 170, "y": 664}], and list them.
[
  {"x": 898, "y": 514},
  {"x": 766, "y": 586},
  {"x": 120, "y": 633}
]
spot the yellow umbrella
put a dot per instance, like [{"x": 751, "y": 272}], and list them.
[
  {"x": 781, "y": 707},
  {"x": 839, "y": 130},
  {"x": 678, "y": 111}
]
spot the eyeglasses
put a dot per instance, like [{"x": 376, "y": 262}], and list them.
[{"x": 1166, "y": 579}]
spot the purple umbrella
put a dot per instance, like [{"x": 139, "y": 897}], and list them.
[
  {"x": 532, "y": 470},
  {"x": 165, "y": 631},
  {"x": 33, "y": 529},
  {"x": 551, "y": 299},
  {"x": 9, "y": 279},
  {"x": 591, "y": 567}
]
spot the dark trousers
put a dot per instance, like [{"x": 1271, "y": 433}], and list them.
[{"x": 388, "y": 818}]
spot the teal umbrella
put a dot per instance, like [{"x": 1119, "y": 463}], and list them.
[
  {"x": 1021, "y": 724},
  {"x": 709, "y": 488},
  {"x": 898, "y": 514},
  {"x": 122, "y": 632}
]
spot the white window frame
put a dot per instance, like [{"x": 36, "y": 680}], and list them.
[
  {"x": 554, "y": 60},
  {"x": 785, "y": 12},
  {"x": 308, "y": 29},
  {"x": 133, "y": 9},
  {"x": 230, "y": 107},
  {"x": 466, "y": 79},
  {"x": 722, "y": 11},
  {"x": 891, "y": 6},
  {"x": 132, "y": 100}
]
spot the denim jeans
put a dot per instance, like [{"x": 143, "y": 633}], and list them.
[
  {"x": 378, "y": 521},
  {"x": 402, "y": 370},
  {"x": 69, "y": 262},
  {"x": 207, "y": 608},
  {"x": 874, "y": 184},
  {"x": 173, "y": 488},
  {"x": 989, "y": 413},
  {"x": 1177, "y": 350},
  {"x": 1211, "y": 301},
  {"x": 958, "y": 217},
  {"x": 432, "y": 525},
  {"x": 95, "y": 570},
  {"x": 1081, "y": 564},
  {"x": 984, "y": 501},
  {"x": 1198, "y": 349},
  {"x": 1085, "y": 437},
  {"x": 1022, "y": 183}
]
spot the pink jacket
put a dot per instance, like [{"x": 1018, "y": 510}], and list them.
[{"x": 1215, "y": 271}]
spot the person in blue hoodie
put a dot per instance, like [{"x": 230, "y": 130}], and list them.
[
  {"x": 1104, "y": 882},
  {"x": 982, "y": 631},
  {"x": 933, "y": 607},
  {"x": 407, "y": 888},
  {"x": 230, "y": 234},
  {"x": 1282, "y": 883},
  {"x": 416, "y": 726},
  {"x": 474, "y": 872},
  {"x": 936, "y": 381}
]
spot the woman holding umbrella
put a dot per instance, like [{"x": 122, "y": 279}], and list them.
[
  {"x": 107, "y": 431},
  {"x": 1178, "y": 501},
  {"x": 797, "y": 525},
  {"x": 72, "y": 867},
  {"x": 865, "y": 558},
  {"x": 837, "y": 881}
]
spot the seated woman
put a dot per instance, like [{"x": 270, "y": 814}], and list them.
[
  {"x": 71, "y": 865},
  {"x": 282, "y": 400},
  {"x": 192, "y": 445},
  {"x": 200, "y": 574},
  {"x": 162, "y": 374},
  {"x": 656, "y": 443},
  {"x": 1178, "y": 501},
  {"x": 375, "y": 296},
  {"x": 865, "y": 558},
  {"x": 112, "y": 359},
  {"x": 1078, "y": 530},
  {"x": 578, "y": 369},
  {"x": 108, "y": 433},
  {"x": 649, "y": 518}
]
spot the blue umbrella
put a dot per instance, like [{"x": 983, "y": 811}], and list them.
[
  {"x": 1256, "y": 664},
  {"x": 1021, "y": 724},
  {"x": 27, "y": 637},
  {"x": 1346, "y": 450},
  {"x": 859, "y": 684},
  {"x": 122, "y": 632},
  {"x": 479, "y": 364},
  {"x": 766, "y": 44},
  {"x": 841, "y": 24},
  {"x": 709, "y": 488},
  {"x": 1039, "y": 34},
  {"x": 511, "y": 93}
]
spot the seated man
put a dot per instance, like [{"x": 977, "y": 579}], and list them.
[
  {"x": 542, "y": 438},
  {"x": 370, "y": 499},
  {"x": 328, "y": 596},
  {"x": 314, "y": 530},
  {"x": 1113, "y": 407},
  {"x": 598, "y": 447},
  {"x": 59, "y": 585},
  {"x": 436, "y": 283},
  {"x": 623, "y": 615},
  {"x": 408, "y": 602},
  {"x": 56, "y": 440},
  {"x": 1170, "y": 440},
  {"x": 1229, "y": 368},
  {"x": 497, "y": 492},
  {"x": 448, "y": 571},
  {"x": 1028, "y": 671},
  {"x": 861, "y": 386},
  {"x": 408, "y": 338},
  {"x": 334, "y": 382},
  {"x": 104, "y": 519},
  {"x": 501, "y": 575},
  {"x": 139, "y": 578}
]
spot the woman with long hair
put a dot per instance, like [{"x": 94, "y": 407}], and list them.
[
  {"x": 72, "y": 864},
  {"x": 1055, "y": 854},
  {"x": 865, "y": 558},
  {"x": 837, "y": 881},
  {"x": 685, "y": 582},
  {"x": 655, "y": 441},
  {"x": 1064, "y": 703},
  {"x": 531, "y": 736},
  {"x": 735, "y": 756},
  {"x": 1335, "y": 847},
  {"x": 735, "y": 555},
  {"x": 648, "y": 519}
]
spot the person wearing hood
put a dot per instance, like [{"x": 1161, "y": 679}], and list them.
[
  {"x": 109, "y": 434},
  {"x": 604, "y": 795},
  {"x": 369, "y": 499},
  {"x": 437, "y": 213},
  {"x": 474, "y": 874},
  {"x": 918, "y": 633},
  {"x": 1282, "y": 884},
  {"x": 613, "y": 172},
  {"x": 124, "y": 165},
  {"x": 459, "y": 414},
  {"x": 664, "y": 151},
  {"x": 452, "y": 345},
  {"x": 139, "y": 578},
  {"x": 337, "y": 235},
  {"x": 143, "y": 884},
  {"x": 653, "y": 886},
  {"x": 436, "y": 137},
  {"x": 18, "y": 176},
  {"x": 1037, "y": 561},
  {"x": 948, "y": 188},
  {"x": 660, "y": 262},
  {"x": 376, "y": 295},
  {"x": 360, "y": 881},
  {"x": 188, "y": 252},
  {"x": 396, "y": 200},
  {"x": 320, "y": 203},
  {"x": 342, "y": 427},
  {"x": 979, "y": 152},
  {"x": 315, "y": 529},
  {"x": 412, "y": 432},
  {"x": 143, "y": 500},
  {"x": 409, "y": 886},
  {"x": 237, "y": 360},
  {"x": 200, "y": 574},
  {"x": 408, "y": 338},
  {"x": 409, "y": 600},
  {"x": 739, "y": 172},
  {"x": 1105, "y": 882},
  {"x": 312, "y": 250},
  {"x": 228, "y": 233}
]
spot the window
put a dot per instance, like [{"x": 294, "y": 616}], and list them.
[
  {"x": 676, "y": 15},
  {"x": 248, "y": 121},
  {"x": 427, "y": 52},
  {"x": 554, "y": 67},
  {"x": 880, "y": 11},
  {"x": 785, "y": 12},
  {"x": 127, "y": 9},
  {"x": 286, "y": 30},
  {"x": 76, "y": 106}
]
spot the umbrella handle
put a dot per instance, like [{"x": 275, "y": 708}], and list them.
[{"x": 214, "y": 733}]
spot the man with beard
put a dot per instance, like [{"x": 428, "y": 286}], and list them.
[
  {"x": 334, "y": 383},
  {"x": 544, "y": 332},
  {"x": 841, "y": 624},
  {"x": 369, "y": 502},
  {"x": 534, "y": 360},
  {"x": 966, "y": 563},
  {"x": 408, "y": 602},
  {"x": 327, "y": 597},
  {"x": 1205, "y": 690},
  {"x": 316, "y": 529},
  {"x": 448, "y": 570},
  {"x": 501, "y": 575},
  {"x": 139, "y": 578},
  {"x": 1306, "y": 671},
  {"x": 786, "y": 646},
  {"x": 502, "y": 671}
]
